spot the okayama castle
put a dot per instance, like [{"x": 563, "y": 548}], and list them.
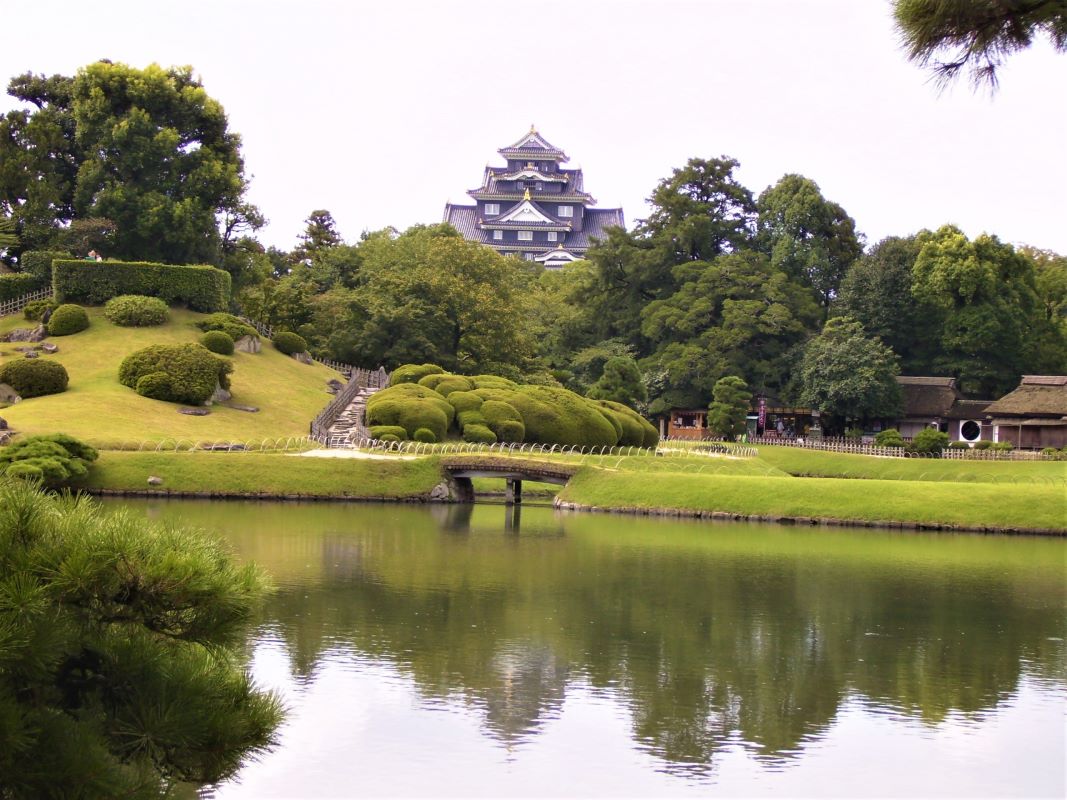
[{"x": 533, "y": 207}]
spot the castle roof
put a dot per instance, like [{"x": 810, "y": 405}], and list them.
[
  {"x": 573, "y": 189},
  {"x": 533, "y": 145}
]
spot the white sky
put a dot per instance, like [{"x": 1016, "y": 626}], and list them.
[{"x": 380, "y": 112}]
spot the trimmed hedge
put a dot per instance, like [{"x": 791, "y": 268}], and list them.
[
  {"x": 136, "y": 311},
  {"x": 503, "y": 420},
  {"x": 464, "y": 401},
  {"x": 35, "y": 377},
  {"x": 67, "y": 319},
  {"x": 39, "y": 262},
  {"x": 398, "y": 433},
  {"x": 232, "y": 326},
  {"x": 478, "y": 434},
  {"x": 290, "y": 343},
  {"x": 201, "y": 288},
  {"x": 413, "y": 373},
  {"x": 35, "y": 309},
  {"x": 218, "y": 342},
  {"x": 445, "y": 383},
  {"x": 178, "y": 373},
  {"x": 410, "y": 407},
  {"x": 890, "y": 437},
  {"x": 17, "y": 284},
  {"x": 636, "y": 430},
  {"x": 425, "y": 435}
]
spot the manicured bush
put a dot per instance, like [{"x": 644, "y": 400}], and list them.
[
  {"x": 854, "y": 433},
  {"x": 613, "y": 420},
  {"x": 437, "y": 379},
  {"x": 890, "y": 437},
  {"x": 556, "y": 416},
  {"x": 929, "y": 440},
  {"x": 411, "y": 407},
  {"x": 39, "y": 263},
  {"x": 492, "y": 382},
  {"x": 35, "y": 309},
  {"x": 388, "y": 437},
  {"x": 218, "y": 342},
  {"x": 958, "y": 446},
  {"x": 465, "y": 401},
  {"x": 478, "y": 434},
  {"x": 34, "y": 377},
  {"x": 425, "y": 435},
  {"x": 470, "y": 417},
  {"x": 67, "y": 319},
  {"x": 232, "y": 326},
  {"x": 290, "y": 343},
  {"x": 136, "y": 311},
  {"x": 398, "y": 433},
  {"x": 55, "y": 459},
  {"x": 501, "y": 417},
  {"x": 192, "y": 372},
  {"x": 17, "y": 284},
  {"x": 636, "y": 430},
  {"x": 1002, "y": 446},
  {"x": 509, "y": 431},
  {"x": 983, "y": 444},
  {"x": 201, "y": 288},
  {"x": 412, "y": 373}
]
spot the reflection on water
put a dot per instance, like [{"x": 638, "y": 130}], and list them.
[{"x": 663, "y": 656}]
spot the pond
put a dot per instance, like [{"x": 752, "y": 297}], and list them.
[{"x": 485, "y": 651}]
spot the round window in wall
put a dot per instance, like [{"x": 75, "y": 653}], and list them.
[{"x": 970, "y": 431}]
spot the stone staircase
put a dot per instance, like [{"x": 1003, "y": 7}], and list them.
[{"x": 351, "y": 424}]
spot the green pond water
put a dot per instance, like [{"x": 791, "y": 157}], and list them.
[{"x": 473, "y": 651}]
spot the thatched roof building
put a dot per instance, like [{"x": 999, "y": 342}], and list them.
[
  {"x": 1032, "y": 415},
  {"x": 936, "y": 402}
]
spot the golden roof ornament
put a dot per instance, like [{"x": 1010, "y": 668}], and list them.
[{"x": 526, "y": 195}]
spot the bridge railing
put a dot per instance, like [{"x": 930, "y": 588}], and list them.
[
  {"x": 358, "y": 380},
  {"x": 532, "y": 449}
]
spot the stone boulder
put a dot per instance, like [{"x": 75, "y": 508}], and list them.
[
  {"x": 31, "y": 354},
  {"x": 249, "y": 409},
  {"x": 303, "y": 358},
  {"x": 3, "y": 424},
  {"x": 194, "y": 412},
  {"x": 26, "y": 334},
  {"x": 8, "y": 395},
  {"x": 48, "y": 347},
  {"x": 333, "y": 386},
  {"x": 155, "y": 480},
  {"x": 247, "y": 344},
  {"x": 219, "y": 396}
]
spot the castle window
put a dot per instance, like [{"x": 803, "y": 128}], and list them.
[
  {"x": 528, "y": 256},
  {"x": 551, "y": 236},
  {"x": 525, "y": 236},
  {"x": 566, "y": 211},
  {"x": 498, "y": 235},
  {"x": 492, "y": 208}
]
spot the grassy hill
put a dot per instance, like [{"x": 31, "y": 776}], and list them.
[{"x": 98, "y": 409}]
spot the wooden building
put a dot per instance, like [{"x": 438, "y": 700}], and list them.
[
  {"x": 936, "y": 402},
  {"x": 1034, "y": 415}
]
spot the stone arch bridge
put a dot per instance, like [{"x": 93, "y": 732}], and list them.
[{"x": 513, "y": 470}]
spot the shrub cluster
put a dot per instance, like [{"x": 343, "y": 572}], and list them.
[
  {"x": 67, "y": 319},
  {"x": 39, "y": 263},
  {"x": 17, "y": 284},
  {"x": 381, "y": 431},
  {"x": 54, "y": 460},
  {"x": 290, "y": 343},
  {"x": 136, "y": 311},
  {"x": 35, "y": 309},
  {"x": 425, "y": 435},
  {"x": 218, "y": 342},
  {"x": 890, "y": 437},
  {"x": 178, "y": 373},
  {"x": 34, "y": 377},
  {"x": 232, "y": 326},
  {"x": 488, "y": 408},
  {"x": 928, "y": 440},
  {"x": 201, "y": 288}
]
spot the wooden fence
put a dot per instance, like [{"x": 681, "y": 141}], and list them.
[
  {"x": 267, "y": 331},
  {"x": 359, "y": 379},
  {"x": 851, "y": 446},
  {"x": 16, "y": 304}
]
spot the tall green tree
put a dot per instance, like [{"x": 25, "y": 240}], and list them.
[
  {"x": 953, "y": 36},
  {"x": 119, "y": 671},
  {"x": 847, "y": 374},
  {"x": 986, "y": 294},
  {"x": 621, "y": 381},
  {"x": 320, "y": 234},
  {"x": 147, "y": 149},
  {"x": 806, "y": 235},
  {"x": 728, "y": 412}
]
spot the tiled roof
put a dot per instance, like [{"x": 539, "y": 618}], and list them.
[
  {"x": 465, "y": 220},
  {"x": 595, "y": 223}
]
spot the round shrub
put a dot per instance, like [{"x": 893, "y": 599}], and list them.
[
  {"x": 388, "y": 437},
  {"x": 136, "y": 311},
  {"x": 890, "y": 437},
  {"x": 398, "y": 433},
  {"x": 191, "y": 370},
  {"x": 232, "y": 326},
  {"x": 413, "y": 373},
  {"x": 464, "y": 401},
  {"x": 472, "y": 417},
  {"x": 454, "y": 383},
  {"x": 155, "y": 386},
  {"x": 35, "y": 309},
  {"x": 492, "y": 382},
  {"x": 959, "y": 446},
  {"x": 411, "y": 407},
  {"x": 929, "y": 440},
  {"x": 218, "y": 342},
  {"x": 67, "y": 319},
  {"x": 34, "y": 377},
  {"x": 613, "y": 420},
  {"x": 556, "y": 416},
  {"x": 290, "y": 343},
  {"x": 478, "y": 434},
  {"x": 1002, "y": 446},
  {"x": 636, "y": 430},
  {"x": 983, "y": 444},
  {"x": 510, "y": 431},
  {"x": 425, "y": 435}
]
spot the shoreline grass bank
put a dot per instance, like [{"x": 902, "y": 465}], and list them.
[{"x": 962, "y": 506}]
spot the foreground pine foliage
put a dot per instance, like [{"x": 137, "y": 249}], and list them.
[{"x": 118, "y": 653}]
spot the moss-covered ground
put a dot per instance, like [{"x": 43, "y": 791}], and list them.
[{"x": 98, "y": 409}]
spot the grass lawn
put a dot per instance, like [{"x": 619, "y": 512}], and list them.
[
  {"x": 824, "y": 464},
  {"x": 274, "y": 473},
  {"x": 98, "y": 409},
  {"x": 970, "y": 504}
]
